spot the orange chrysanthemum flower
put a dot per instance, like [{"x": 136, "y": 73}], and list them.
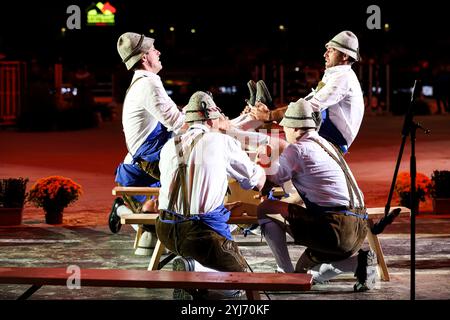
[
  {"x": 57, "y": 190},
  {"x": 403, "y": 187}
]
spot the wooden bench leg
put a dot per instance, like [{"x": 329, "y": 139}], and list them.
[
  {"x": 156, "y": 256},
  {"x": 252, "y": 295},
  {"x": 138, "y": 236},
  {"x": 375, "y": 245},
  {"x": 29, "y": 292}
]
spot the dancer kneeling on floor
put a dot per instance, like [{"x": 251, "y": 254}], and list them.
[
  {"x": 333, "y": 225},
  {"x": 195, "y": 168}
]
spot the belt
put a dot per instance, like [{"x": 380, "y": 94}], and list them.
[
  {"x": 345, "y": 211},
  {"x": 167, "y": 216}
]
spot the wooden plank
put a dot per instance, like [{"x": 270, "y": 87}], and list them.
[
  {"x": 159, "y": 279},
  {"x": 139, "y": 218},
  {"x": 150, "y": 218},
  {"x": 135, "y": 191},
  {"x": 375, "y": 245},
  {"x": 139, "y": 232},
  {"x": 246, "y": 196},
  {"x": 239, "y": 194},
  {"x": 378, "y": 212},
  {"x": 244, "y": 219},
  {"x": 156, "y": 256}
]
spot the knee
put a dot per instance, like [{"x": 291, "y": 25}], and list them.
[{"x": 150, "y": 206}]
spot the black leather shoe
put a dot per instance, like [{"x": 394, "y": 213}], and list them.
[
  {"x": 252, "y": 88},
  {"x": 263, "y": 94},
  {"x": 114, "y": 219}
]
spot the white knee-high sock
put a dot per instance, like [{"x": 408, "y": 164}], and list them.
[
  {"x": 201, "y": 268},
  {"x": 123, "y": 210},
  {"x": 276, "y": 239}
]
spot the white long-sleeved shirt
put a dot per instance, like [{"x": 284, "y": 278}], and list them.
[
  {"x": 313, "y": 172},
  {"x": 146, "y": 104},
  {"x": 342, "y": 96},
  {"x": 215, "y": 158}
]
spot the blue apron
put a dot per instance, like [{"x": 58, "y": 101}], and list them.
[
  {"x": 151, "y": 148},
  {"x": 216, "y": 219},
  {"x": 132, "y": 174},
  {"x": 329, "y": 131}
]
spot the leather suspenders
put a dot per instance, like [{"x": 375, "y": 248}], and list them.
[
  {"x": 351, "y": 183},
  {"x": 180, "y": 187}
]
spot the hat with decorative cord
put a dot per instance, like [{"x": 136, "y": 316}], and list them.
[
  {"x": 346, "y": 42},
  {"x": 201, "y": 107},
  {"x": 132, "y": 46}
]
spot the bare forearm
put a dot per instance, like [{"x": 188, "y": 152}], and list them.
[{"x": 277, "y": 114}]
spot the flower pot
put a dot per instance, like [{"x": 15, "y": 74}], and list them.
[
  {"x": 406, "y": 202},
  {"x": 53, "y": 215},
  {"x": 10, "y": 216},
  {"x": 441, "y": 205}
]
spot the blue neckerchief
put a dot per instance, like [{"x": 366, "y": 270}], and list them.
[
  {"x": 329, "y": 131},
  {"x": 216, "y": 219},
  {"x": 151, "y": 148},
  {"x": 270, "y": 196}
]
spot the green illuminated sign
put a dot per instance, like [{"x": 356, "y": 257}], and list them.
[{"x": 101, "y": 14}]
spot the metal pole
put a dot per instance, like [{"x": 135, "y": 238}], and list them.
[{"x": 414, "y": 209}]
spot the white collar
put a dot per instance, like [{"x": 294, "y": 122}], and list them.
[
  {"x": 309, "y": 134},
  {"x": 343, "y": 67},
  {"x": 146, "y": 73}
]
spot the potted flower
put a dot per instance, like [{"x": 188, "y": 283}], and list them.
[
  {"x": 53, "y": 194},
  {"x": 12, "y": 200},
  {"x": 403, "y": 188},
  {"x": 440, "y": 191}
]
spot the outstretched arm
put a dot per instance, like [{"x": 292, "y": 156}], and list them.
[{"x": 261, "y": 112}]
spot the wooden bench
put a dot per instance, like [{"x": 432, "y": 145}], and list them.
[
  {"x": 252, "y": 283},
  {"x": 374, "y": 215}
]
